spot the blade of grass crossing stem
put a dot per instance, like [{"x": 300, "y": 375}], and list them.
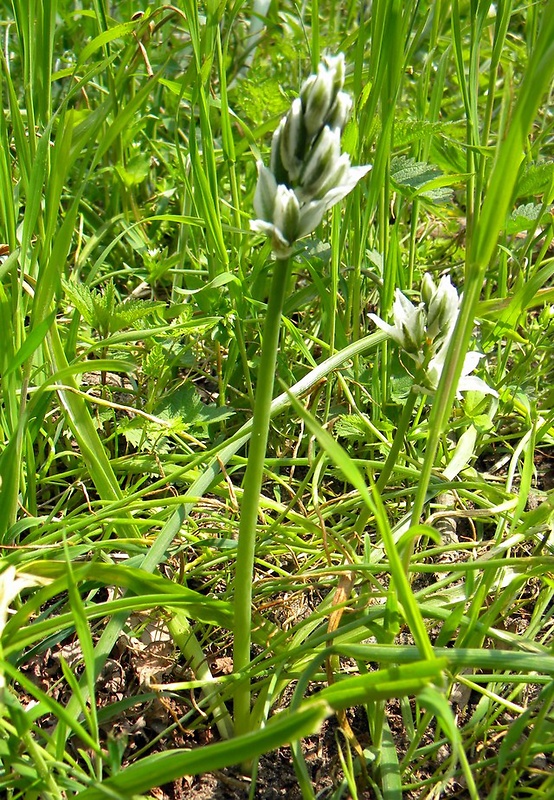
[
  {"x": 406, "y": 680},
  {"x": 82, "y": 629},
  {"x": 90, "y": 444},
  {"x": 342, "y": 460},
  {"x": 160, "y": 768},
  {"x": 497, "y": 203},
  {"x": 47, "y": 705}
]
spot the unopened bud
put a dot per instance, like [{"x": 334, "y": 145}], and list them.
[
  {"x": 428, "y": 289},
  {"x": 286, "y": 215},
  {"x": 340, "y": 112},
  {"x": 323, "y": 155},
  {"x": 442, "y": 311},
  {"x": 264, "y": 197},
  {"x": 276, "y": 163},
  {"x": 293, "y": 137},
  {"x": 336, "y": 66},
  {"x": 318, "y": 100}
]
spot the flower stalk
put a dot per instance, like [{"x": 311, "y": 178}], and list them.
[
  {"x": 252, "y": 485},
  {"x": 307, "y": 176}
]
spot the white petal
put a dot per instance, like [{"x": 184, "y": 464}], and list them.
[
  {"x": 264, "y": 196},
  {"x": 261, "y": 226},
  {"x": 391, "y": 330},
  {"x": 402, "y": 308},
  {"x": 471, "y": 362},
  {"x": 281, "y": 248},
  {"x": 311, "y": 215},
  {"x": 471, "y": 383}
]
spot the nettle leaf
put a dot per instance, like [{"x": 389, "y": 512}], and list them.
[
  {"x": 135, "y": 171},
  {"x": 536, "y": 179},
  {"x": 80, "y": 298},
  {"x": 185, "y": 404},
  {"x": 400, "y": 386},
  {"x": 351, "y": 426},
  {"x": 103, "y": 310},
  {"x": 155, "y": 361},
  {"x": 148, "y": 436},
  {"x": 412, "y": 130},
  {"x": 410, "y": 177},
  {"x": 527, "y": 216}
]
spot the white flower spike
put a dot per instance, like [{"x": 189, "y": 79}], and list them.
[
  {"x": 308, "y": 175},
  {"x": 424, "y": 332}
]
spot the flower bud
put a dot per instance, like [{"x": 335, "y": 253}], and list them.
[
  {"x": 264, "y": 197},
  {"x": 339, "y": 114},
  {"x": 412, "y": 326},
  {"x": 442, "y": 310},
  {"x": 322, "y": 158},
  {"x": 276, "y": 164},
  {"x": 286, "y": 215},
  {"x": 335, "y": 65},
  {"x": 317, "y": 100},
  {"x": 428, "y": 288},
  {"x": 292, "y": 141}
]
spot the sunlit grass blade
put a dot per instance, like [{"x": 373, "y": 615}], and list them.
[{"x": 163, "y": 767}]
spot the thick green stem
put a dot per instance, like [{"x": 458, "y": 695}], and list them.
[{"x": 252, "y": 485}]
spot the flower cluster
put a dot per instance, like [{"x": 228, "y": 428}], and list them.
[
  {"x": 307, "y": 174},
  {"x": 424, "y": 331}
]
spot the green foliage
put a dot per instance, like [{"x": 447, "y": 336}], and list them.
[
  {"x": 417, "y": 178},
  {"x": 104, "y": 311},
  {"x": 404, "y": 544}
]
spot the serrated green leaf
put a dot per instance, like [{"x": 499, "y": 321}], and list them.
[
  {"x": 410, "y": 177},
  {"x": 526, "y": 217},
  {"x": 350, "y": 426},
  {"x": 535, "y": 179},
  {"x": 102, "y": 309},
  {"x": 408, "y": 131}
]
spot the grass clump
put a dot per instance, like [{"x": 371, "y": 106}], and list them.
[{"x": 398, "y": 587}]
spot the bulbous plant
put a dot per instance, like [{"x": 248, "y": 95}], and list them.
[
  {"x": 423, "y": 332},
  {"x": 307, "y": 176}
]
